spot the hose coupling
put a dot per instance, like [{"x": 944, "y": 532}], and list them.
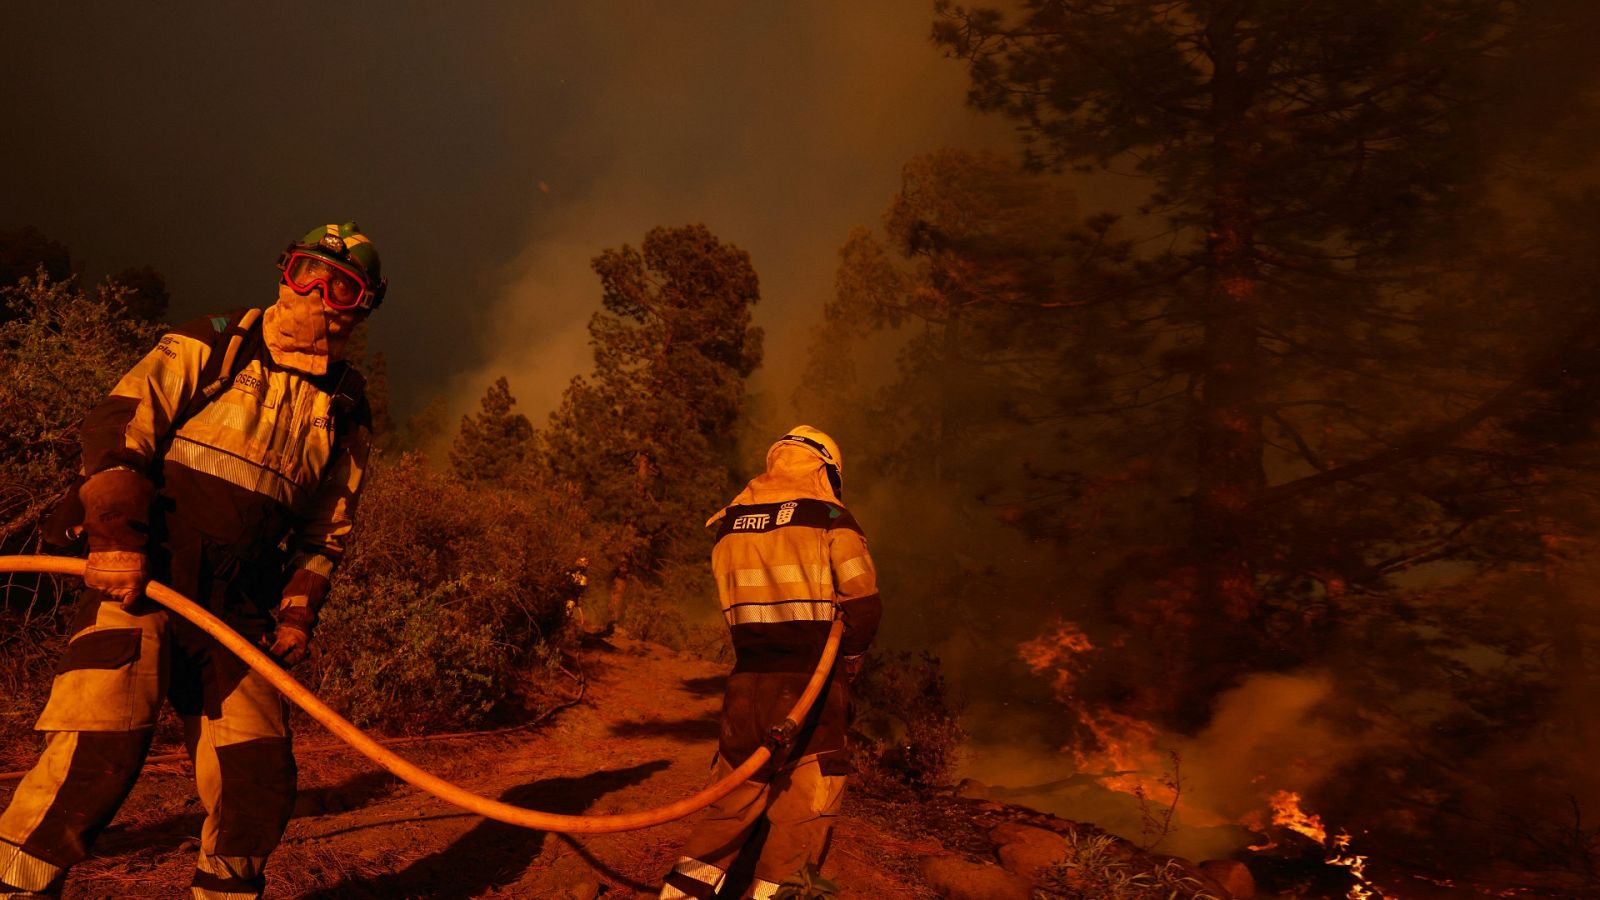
[{"x": 782, "y": 734}]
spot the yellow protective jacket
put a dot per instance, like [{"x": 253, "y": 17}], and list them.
[
  {"x": 258, "y": 486},
  {"x": 788, "y": 555}
]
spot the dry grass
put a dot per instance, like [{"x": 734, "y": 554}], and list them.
[{"x": 300, "y": 867}]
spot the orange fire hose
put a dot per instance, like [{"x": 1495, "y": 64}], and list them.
[{"x": 433, "y": 784}]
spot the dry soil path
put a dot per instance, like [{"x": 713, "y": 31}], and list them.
[{"x": 644, "y": 735}]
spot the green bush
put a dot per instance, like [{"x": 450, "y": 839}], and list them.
[
  {"x": 452, "y": 597},
  {"x": 907, "y": 728}
]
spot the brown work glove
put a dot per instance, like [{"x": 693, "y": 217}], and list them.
[
  {"x": 116, "y": 509},
  {"x": 297, "y": 617},
  {"x": 119, "y": 574},
  {"x": 290, "y": 644},
  {"x": 116, "y": 515}
]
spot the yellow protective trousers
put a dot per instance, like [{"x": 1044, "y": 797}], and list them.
[
  {"x": 800, "y": 804},
  {"x": 108, "y": 689}
]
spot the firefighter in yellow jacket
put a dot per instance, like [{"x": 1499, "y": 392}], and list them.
[
  {"x": 227, "y": 464},
  {"x": 788, "y": 558}
]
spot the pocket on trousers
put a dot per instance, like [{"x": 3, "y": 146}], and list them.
[
  {"x": 112, "y": 648},
  {"x": 103, "y": 683}
]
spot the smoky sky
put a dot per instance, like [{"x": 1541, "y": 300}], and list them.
[{"x": 491, "y": 150}]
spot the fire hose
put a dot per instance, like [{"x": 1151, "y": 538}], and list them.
[{"x": 427, "y": 781}]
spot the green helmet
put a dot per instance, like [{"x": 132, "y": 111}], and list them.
[{"x": 349, "y": 250}]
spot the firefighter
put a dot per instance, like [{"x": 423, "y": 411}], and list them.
[
  {"x": 788, "y": 558},
  {"x": 227, "y": 464}
]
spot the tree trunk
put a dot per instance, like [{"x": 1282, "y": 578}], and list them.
[
  {"x": 950, "y": 383},
  {"x": 1229, "y": 474},
  {"x": 1566, "y": 621}
]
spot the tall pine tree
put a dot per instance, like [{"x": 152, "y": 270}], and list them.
[
  {"x": 1300, "y": 155},
  {"x": 1355, "y": 400},
  {"x": 649, "y": 437}
]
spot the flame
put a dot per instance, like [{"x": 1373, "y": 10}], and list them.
[
  {"x": 1122, "y": 743},
  {"x": 1286, "y": 811},
  {"x": 1120, "y": 751},
  {"x": 1064, "y": 653},
  {"x": 1339, "y": 855},
  {"x": 1124, "y": 747},
  {"x": 1126, "y": 752}
]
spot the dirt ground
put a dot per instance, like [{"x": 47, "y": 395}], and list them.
[{"x": 644, "y": 735}]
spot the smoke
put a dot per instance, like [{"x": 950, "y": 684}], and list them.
[
  {"x": 490, "y": 153},
  {"x": 1266, "y": 735},
  {"x": 1273, "y": 732},
  {"x": 780, "y": 128}
]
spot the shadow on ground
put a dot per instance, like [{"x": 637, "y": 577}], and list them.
[
  {"x": 169, "y": 832},
  {"x": 161, "y": 834},
  {"x": 492, "y": 854},
  {"x": 352, "y": 793},
  {"x": 687, "y": 731},
  {"x": 711, "y": 685}
]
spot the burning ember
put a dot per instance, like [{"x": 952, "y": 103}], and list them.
[{"x": 1339, "y": 855}]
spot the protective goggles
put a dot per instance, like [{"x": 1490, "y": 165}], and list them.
[{"x": 343, "y": 286}]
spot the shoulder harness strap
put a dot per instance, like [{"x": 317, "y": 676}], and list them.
[{"x": 242, "y": 336}]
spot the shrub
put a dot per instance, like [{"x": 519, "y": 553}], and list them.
[
  {"x": 907, "y": 729},
  {"x": 677, "y": 608},
  {"x": 450, "y": 595},
  {"x": 28, "y": 654},
  {"x": 61, "y": 350}
]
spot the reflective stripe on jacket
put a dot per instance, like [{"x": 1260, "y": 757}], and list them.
[
  {"x": 266, "y": 455},
  {"x": 782, "y": 568}
]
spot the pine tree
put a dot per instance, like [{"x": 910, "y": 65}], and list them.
[
  {"x": 496, "y": 442},
  {"x": 427, "y": 429},
  {"x": 385, "y": 434},
  {"x": 649, "y": 436},
  {"x": 1302, "y": 156},
  {"x": 1370, "y": 382},
  {"x": 375, "y": 368}
]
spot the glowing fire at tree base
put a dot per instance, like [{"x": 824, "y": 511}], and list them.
[
  {"x": 1287, "y": 813},
  {"x": 1123, "y": 750}
]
